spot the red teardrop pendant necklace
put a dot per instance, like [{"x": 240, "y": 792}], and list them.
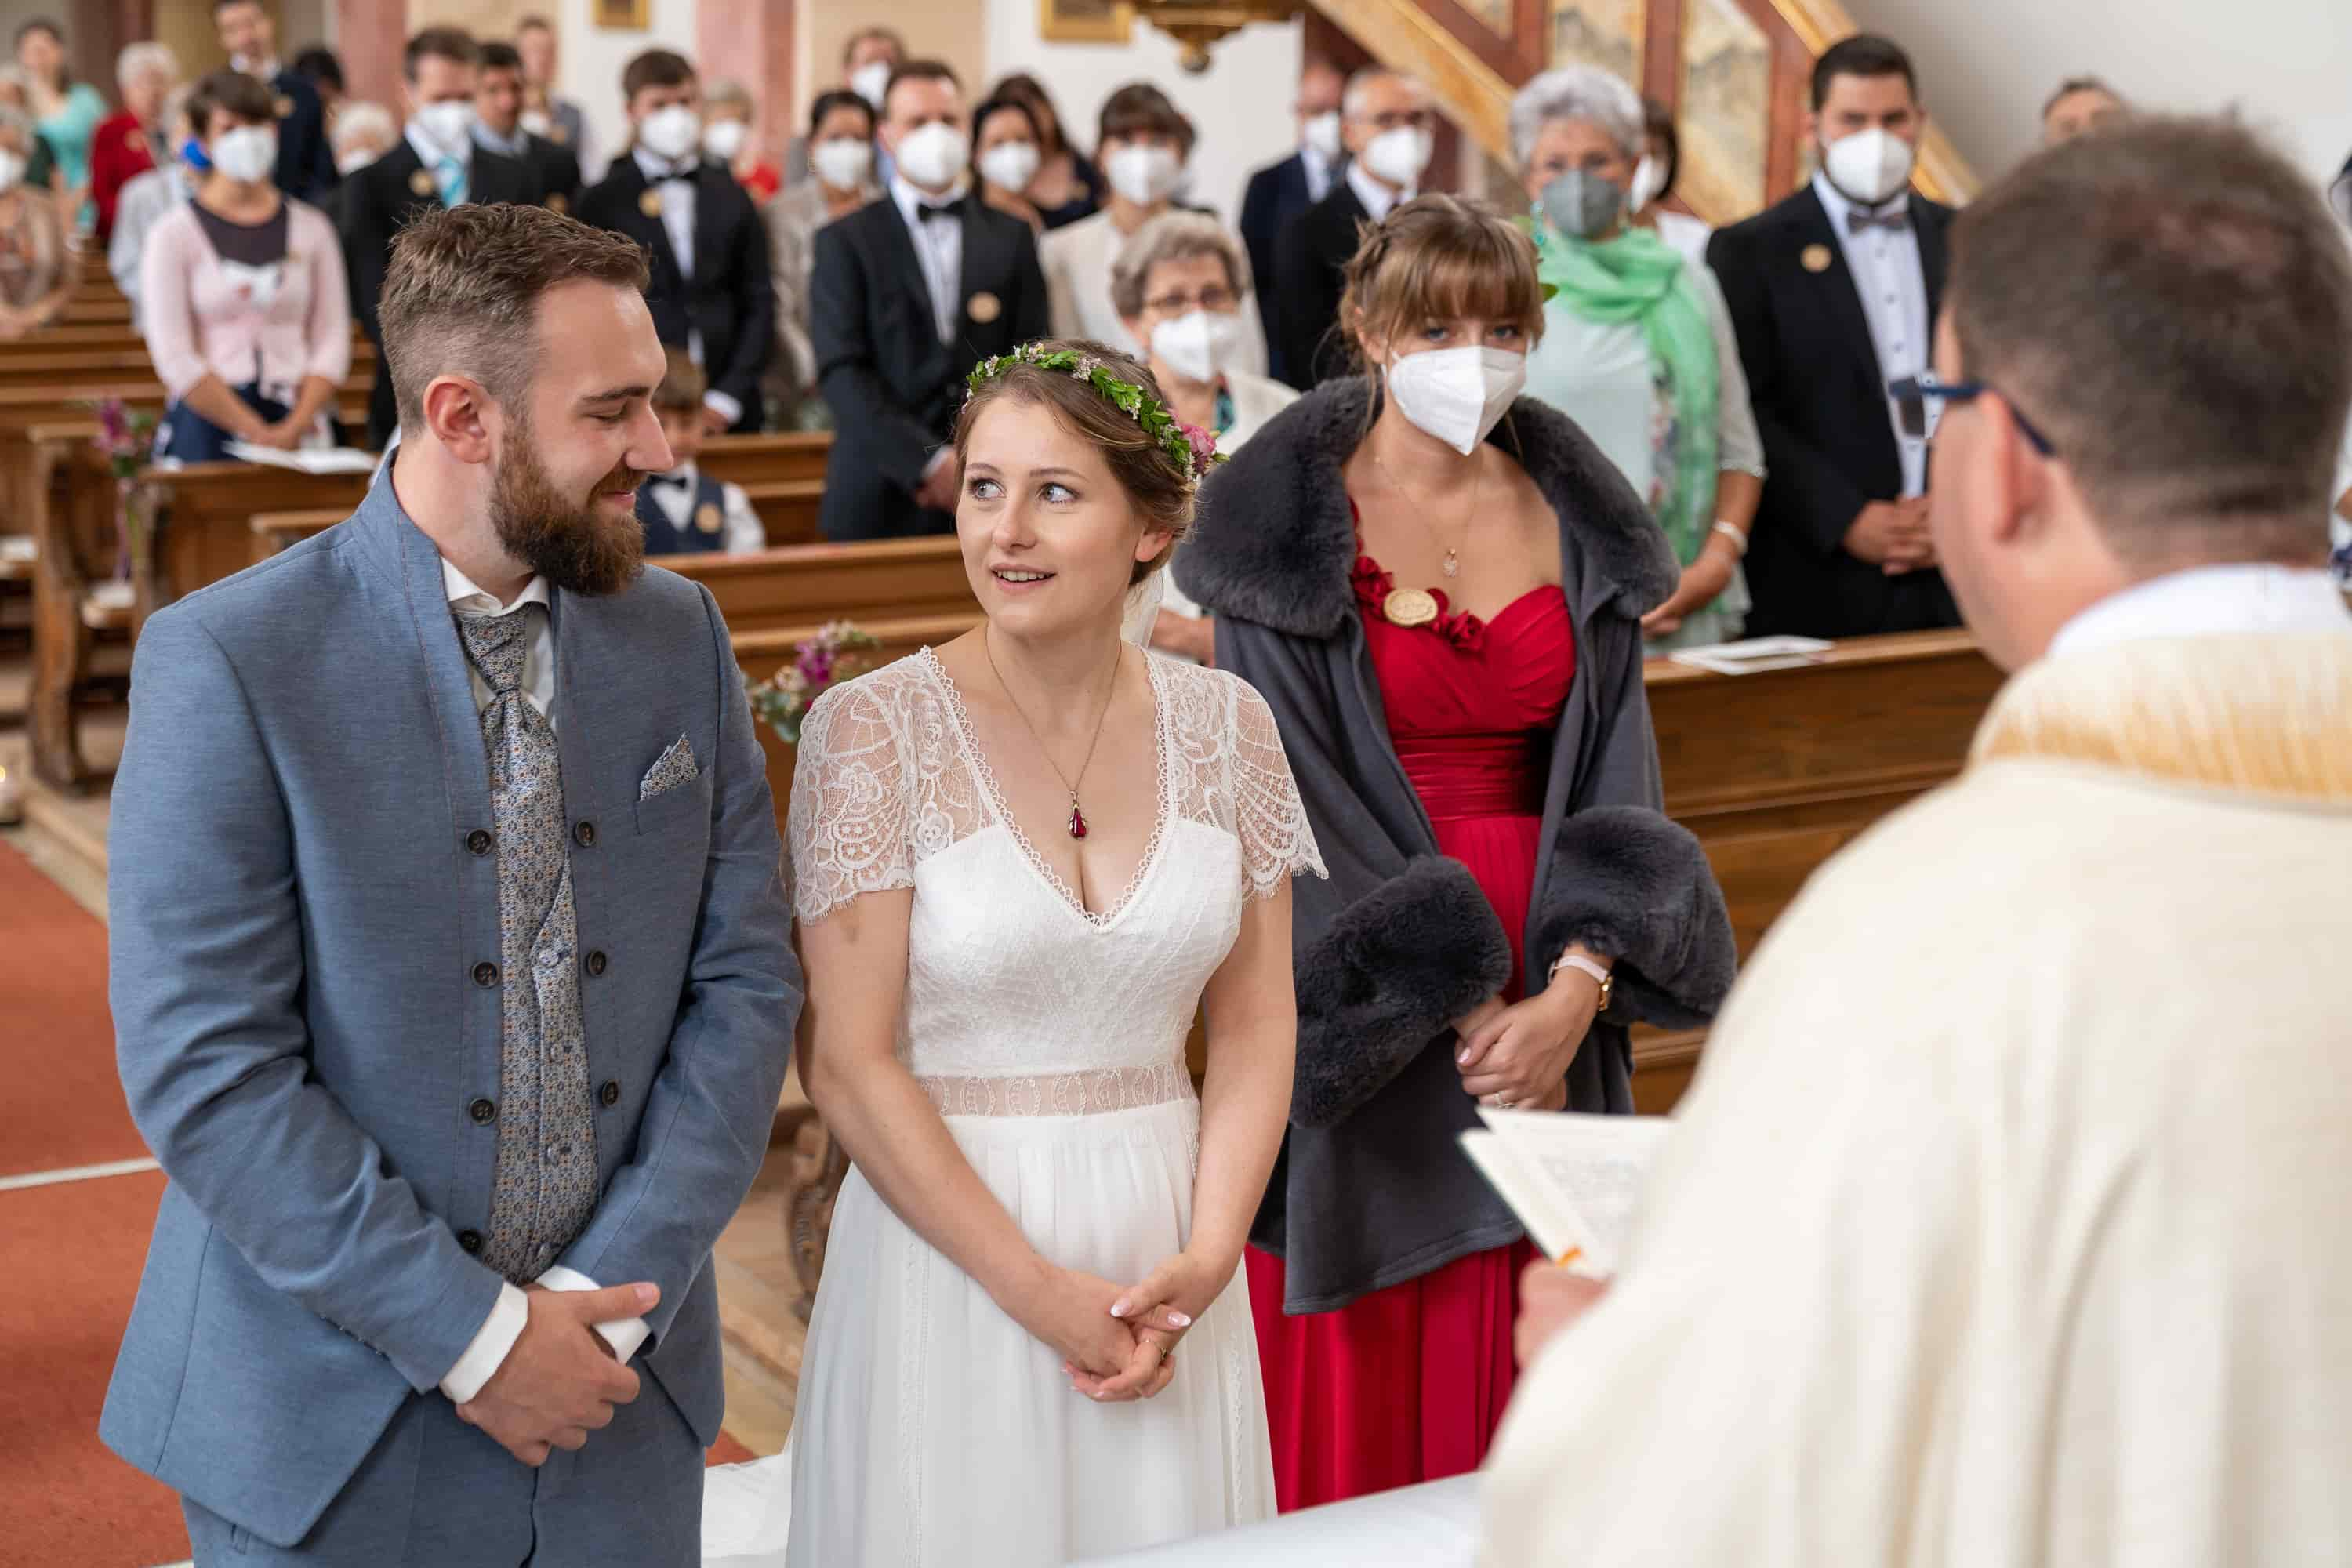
[{"x": 1078, "y": 817}]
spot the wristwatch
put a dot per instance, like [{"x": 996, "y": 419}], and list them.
[{"x": 1607, "y": 978}]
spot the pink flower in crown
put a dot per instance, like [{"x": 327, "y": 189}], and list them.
[{"x": 1203, "y": 445}]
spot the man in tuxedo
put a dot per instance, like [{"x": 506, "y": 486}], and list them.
[
  {"x": 306, "y": 163},
  {"x": 434, "y": 164},
  {"x": 1833, "y": 293},
  {"x": 712, "y": 292},
  {"x": 908, "y": 295},
  {"x": 453, "y": 981},
  {"x": 1280, "y": 192},
  {"x": 559, "y": 120},
  {"x": 1389, "y": 132},
  {"x": 498, "y": 125}
]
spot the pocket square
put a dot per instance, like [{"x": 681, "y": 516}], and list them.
[{"x": 673, "y": 768}]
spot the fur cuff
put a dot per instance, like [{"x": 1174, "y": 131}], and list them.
[
  {"x": 1389, "y": 975},
  {"x": 1630, "y": 884}
]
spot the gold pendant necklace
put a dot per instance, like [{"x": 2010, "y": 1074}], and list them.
[
  {"x": 1418, "y": 606},
  {"x": 1078, "y": 826}
]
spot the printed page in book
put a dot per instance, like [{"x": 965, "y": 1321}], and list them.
[{"x": 1575, "y": 1182}]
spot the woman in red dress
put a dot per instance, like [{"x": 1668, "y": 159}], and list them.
[{"x": 1437, "y": 586}]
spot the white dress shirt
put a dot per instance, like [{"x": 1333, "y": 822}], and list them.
[
  {"x": 744, "y": 530},
  {"x": 1378, "y": 199},
  {"x": 679, "y": 201},
  {"x": 1893, "y": 284},
  {"x": 939, "y": 246},
  {"x": 496, "y": 1338},
  {"x": 1319, "y": 173},
  {"x": 430, "y": 153},
  {"x": 2253, "y": 598},
  {"x": 517, "y": 146}
]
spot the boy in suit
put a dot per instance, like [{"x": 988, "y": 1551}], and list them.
[
  {"x": 1833, "y": 294},
  {"x": 306, "y": 163},
  {"x": 908, "y": 295},
  {"x": 711, "y": 293},
  {"x": 1280, "y": 192},
  {"x": 498, "y": 125},
  {"x": 685, "y": 510},
  {"x": 434, "y": 164}
]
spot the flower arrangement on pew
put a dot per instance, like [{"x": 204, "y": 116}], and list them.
[
  {"x": 834, "y": 655},
  {"x": 126, "y": 439}
]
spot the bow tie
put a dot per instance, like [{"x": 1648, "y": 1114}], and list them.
[
  {"x": 675, "y": 481},
  {"x": 928, "y": 210},
  {"x": 1857, "y": 221}
]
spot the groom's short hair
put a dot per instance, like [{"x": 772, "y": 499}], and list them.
[
  {"x": 2170, "y": 303},
  {"x": 462, "y": 294}
]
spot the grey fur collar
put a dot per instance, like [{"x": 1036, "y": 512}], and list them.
[{"x": 1274, "y": 543}]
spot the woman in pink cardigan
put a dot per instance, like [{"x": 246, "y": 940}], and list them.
[{"x": 243, "y": 299}]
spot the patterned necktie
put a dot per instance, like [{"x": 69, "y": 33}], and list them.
[
  {"x": 452, "y": 172},
  {"x": 546, "y": 1186}
]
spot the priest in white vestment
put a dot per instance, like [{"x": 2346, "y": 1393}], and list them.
[{"x": 2009, "y": 1219}]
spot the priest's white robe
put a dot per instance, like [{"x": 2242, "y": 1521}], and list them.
[{"x": 2009, "y": 1220}]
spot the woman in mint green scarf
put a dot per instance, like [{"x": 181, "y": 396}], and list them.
[{"x": 1638, "y": 346}]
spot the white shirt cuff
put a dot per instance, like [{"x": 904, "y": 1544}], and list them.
[
  {"x": 489, "y": 1349},
  {"x": 625, "y": 1335},
  {"x": 728, "y": 408}
]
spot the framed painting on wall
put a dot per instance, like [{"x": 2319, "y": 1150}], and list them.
[
  {"x": 1084, "y": 21},
  {"x": 1604, "y": 33},
  {"x": 620, "y": 16}
]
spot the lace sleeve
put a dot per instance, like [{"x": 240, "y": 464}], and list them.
[
  {"x": 848, "y": 818},
  {"x": 1268, "y": 817}
]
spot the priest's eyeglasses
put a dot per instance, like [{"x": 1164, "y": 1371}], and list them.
[{"x": 1914, "y": 395}]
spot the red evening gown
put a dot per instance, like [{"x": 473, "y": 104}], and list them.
[{"x": 1409, "y": 1383}]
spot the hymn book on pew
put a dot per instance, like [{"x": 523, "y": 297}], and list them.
[
  {"x": 1755, "y": 655},
  {"x": 1575, "y": 1182},
  {"x": 308, "y": 460}
]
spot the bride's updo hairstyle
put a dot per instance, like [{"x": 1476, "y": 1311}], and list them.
[
  {"x": 1439, "y": 259},
  {"x": 1070, "y": 384}
]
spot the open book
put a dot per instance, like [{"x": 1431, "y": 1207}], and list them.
[
  {"x": 1576, "y": 1181},
  {"x": 1755, "y": 655},
  {"x": 308, "y": 460}
]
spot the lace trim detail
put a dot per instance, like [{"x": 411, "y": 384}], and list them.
[
  {"x": 1269, "y": 819},
  {"x": 978, "y": 760},
  {"x": 1096, "y": 1092}
]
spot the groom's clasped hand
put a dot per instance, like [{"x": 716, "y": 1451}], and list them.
[{"x": 559, "y": 1383}]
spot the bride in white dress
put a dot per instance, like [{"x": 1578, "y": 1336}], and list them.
[{"x": 1024, "y": 861}]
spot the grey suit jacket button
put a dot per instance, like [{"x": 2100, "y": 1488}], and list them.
[
  {"x": 596, "y": 962},
  {"x": 610, "y": 1095},
  {"x": 471, "y": 1240},
  {"x": 479, "y": 841},
  {"x": 483, "y": 1111},
  {"x": 583, "y": 834},
  {"x": 485, "y": 974}
]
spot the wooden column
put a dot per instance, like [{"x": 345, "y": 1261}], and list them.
[{"x": 752, "y": 42}]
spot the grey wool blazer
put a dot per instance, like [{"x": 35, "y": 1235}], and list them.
[
  {"x": 302, "y": 894},
  {"x": 1372, "y": 1188}
]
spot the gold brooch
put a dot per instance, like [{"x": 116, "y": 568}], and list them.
[
  {"x": 422, "y": 183},
  {"x": 1814, "y": 258},
  {"x": 707, "y": 518},
  {"x": 650, "y": 204},
  {"x": 285, "y": 107},
  {"x": 1409, "y": 608},
  {"x": 985, "y": 308},
  {"x": 558, "y": 203}
]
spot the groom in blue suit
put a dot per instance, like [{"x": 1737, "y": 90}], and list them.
[{"x": 451, "y": 969}]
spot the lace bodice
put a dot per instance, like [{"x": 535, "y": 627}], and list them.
[{"x": 1008, "y": 975}]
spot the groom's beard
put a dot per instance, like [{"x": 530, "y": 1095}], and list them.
[{"x": 574, "y": 545}]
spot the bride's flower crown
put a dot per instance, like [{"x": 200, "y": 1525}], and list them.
[{"x": 1191, "y": 449}]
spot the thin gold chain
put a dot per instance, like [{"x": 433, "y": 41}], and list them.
[
  {"x": 990, "y": 654},
  {"x": 1427, "y": 513}
]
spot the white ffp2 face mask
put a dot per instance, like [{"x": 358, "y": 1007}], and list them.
[
  {"x": 1457, "y": 394},
  {"x": 537, "y": 121},
  {"x": 870, "y": 81},
  {"x": 247, "y": 154},
  {"x": 1399, "y": 156},
  {"x": 1869, "y": 166},
  {"x": 1649, "y": 184},
  {"x": 448, "y": 125},
  {"x": 671, "y": 132},
  {"x": 1321, "y": 136},
  {"x": 1197, "y": 344},
  {"x": 934, "y": 156},
  {"x": 843, "y": 162},
  {"x": 1011, "y": 165},
  {"x": 1143, "y": 175},
  {"x": 724, "y": 139}
]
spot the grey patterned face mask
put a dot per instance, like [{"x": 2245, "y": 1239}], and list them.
[{"x": 1581, "y": 205}]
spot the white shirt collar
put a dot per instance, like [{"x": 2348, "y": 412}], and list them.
[
  {"x": 431, "y": 152},
  {"x": 2209, "y": 601},
  {"x": 656, "y": 168},
  {"x": 514, "y": 146},
  {"x": 910, "y": 200},
  {"x": 464, "y": 593},
  {"x": 1839, "y": 207},
  {"x": 1378, "y": 199}
]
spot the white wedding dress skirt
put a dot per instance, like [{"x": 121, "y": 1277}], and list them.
[{"x": 931, "y": 1430}]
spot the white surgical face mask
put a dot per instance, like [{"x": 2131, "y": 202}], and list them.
[
  {"x": 247, "y": 155},
  {"x": 1321, "y": 135},
  {"x": 1869, "y": 166},
  {"x": 671, "y": 132},
  {"x": 537, "y": 123},
  {"x": 843, "y": 162},
  {"x": 724, "y": 139},
  {"x": 1457, "y": 394},
  {"x": 1649, "y": 184},
  {"x": 12, "y": 170},
  {"x": 448, "y": 125},
  {"x": 353, "y": 161},
  {"x": 1197, "y": 344},
  {"x": 1011, "y": 165},
  {"x": 1400, "y": 155},
  {"x": 870, "y": 81},
  {"x": 1143, "y": 175},
  {"x": 935, "y": 156}
]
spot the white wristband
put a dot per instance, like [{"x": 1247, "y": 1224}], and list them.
[
  {"x": 1578, "y": 961},
  {"x": 1732, "y": 532}
]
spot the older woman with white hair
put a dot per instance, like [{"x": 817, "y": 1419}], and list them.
[
  {"x": 1638, "y": 347},
  {"x": 1179, "y": 285},
  {"x": 364, "y": 132},
  {"x": 129, "y": 142},
  {"x": 147, "y": 197}
]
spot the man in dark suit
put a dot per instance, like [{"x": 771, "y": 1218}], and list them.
[
  {"x": 434, "y": 164},
  {"x": 712, "y": 292},
  {"x": 1833, "y": 294},
  {"x": 306, "y": 163},
  {"x": 498, "y": 125},
  {"x": 908, "y": 294},
  {"x": 1280, "y": 192},
  {"x": 1389, "y": 132}
]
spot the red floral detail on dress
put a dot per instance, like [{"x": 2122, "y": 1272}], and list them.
[{"x": 1375, "y": 584}]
